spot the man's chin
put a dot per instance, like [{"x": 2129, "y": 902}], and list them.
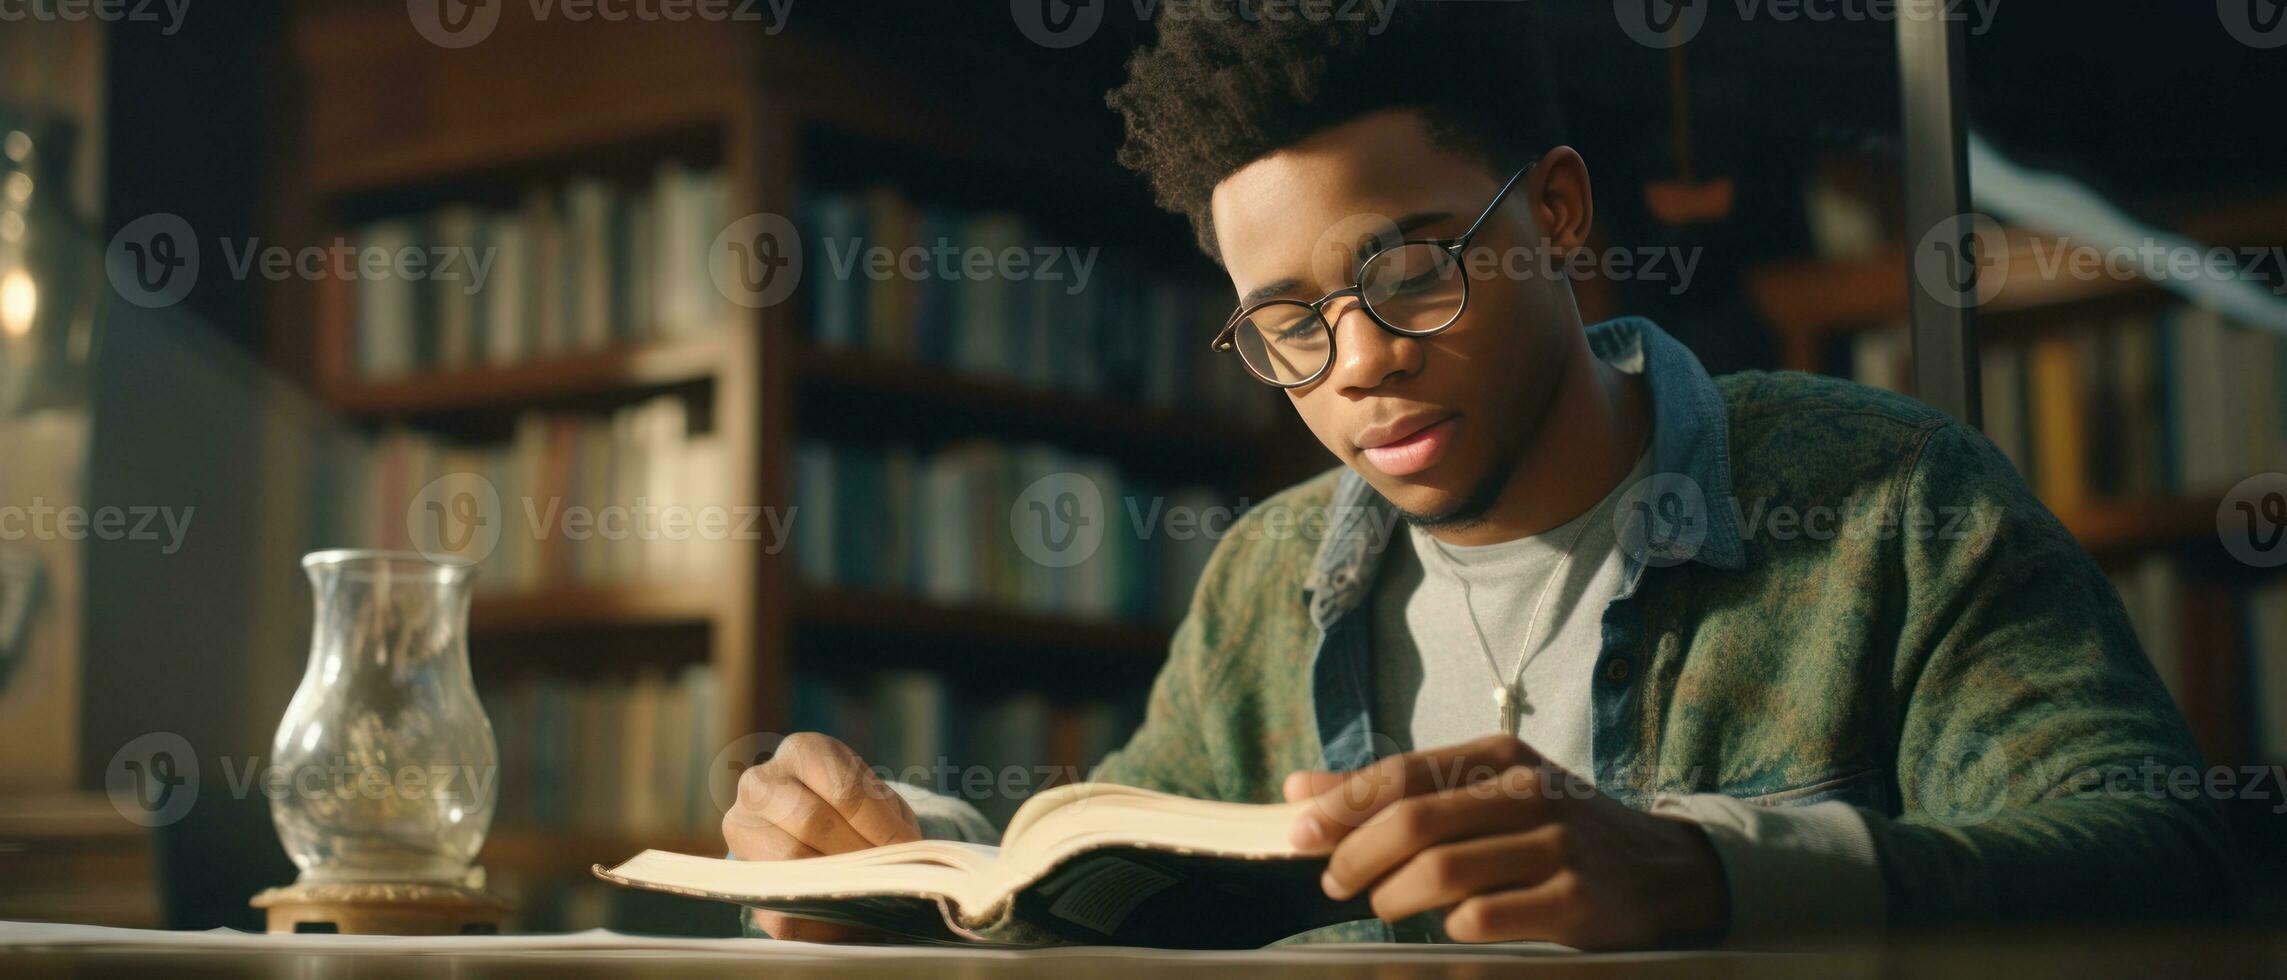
[
  {"x": 1451, "y": 518},
  {"x": 1437, "y": 509}
]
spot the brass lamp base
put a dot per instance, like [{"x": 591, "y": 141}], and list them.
[{"x": 383, "y": 909}]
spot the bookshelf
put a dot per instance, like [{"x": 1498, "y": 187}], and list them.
[
  {"x": 593, "y": 607},
  {"x": 385, "y": 124},
  {"x": 2206, "y": 620},
  {"x": 1812, "y": 303}
]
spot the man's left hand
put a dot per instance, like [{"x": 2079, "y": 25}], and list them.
[{"x": 1512, "y": 848}]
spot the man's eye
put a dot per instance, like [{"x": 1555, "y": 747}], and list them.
[
  {"x": 1297, "y": 331},
  {"x": 1423, "y": 281}
]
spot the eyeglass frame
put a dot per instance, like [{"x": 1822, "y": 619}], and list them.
[{"x": 1224, "y": 338}]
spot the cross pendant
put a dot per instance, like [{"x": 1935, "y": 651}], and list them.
[{"x": 1505, "y": 698}]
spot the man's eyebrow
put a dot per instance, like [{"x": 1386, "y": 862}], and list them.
[
  {"x": 1399, "y": 230},
  {"x": 1261, "y": 293},
  {"x": 1365, "y": 249},
  {"x": 1421, "y": 219}
]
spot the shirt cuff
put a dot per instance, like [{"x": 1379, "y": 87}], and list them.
[
  {"x": 945, "y": 818},
  {"x": 1793, "y": 871}
]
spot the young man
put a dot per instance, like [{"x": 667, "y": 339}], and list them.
[{"x": 1584, "y": 695}]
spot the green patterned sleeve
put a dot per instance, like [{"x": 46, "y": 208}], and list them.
[
  {"x": 1168, "y": 753},
  {"x": 2041, "y": 763}
]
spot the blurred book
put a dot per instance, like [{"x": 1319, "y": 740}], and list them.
[
  {"x": 933, "y": 285},
  {"x": 2175, "y": 402},
  {"x": 578, "y": 267},
  {"x": 608, "y": 755},
  {"x": 940, "y": 526},
  {"x": 625, "y": 498}
]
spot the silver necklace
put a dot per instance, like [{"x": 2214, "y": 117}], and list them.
[{"x": 1509, "y": 695}]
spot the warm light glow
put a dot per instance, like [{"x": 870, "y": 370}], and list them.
[{"x": 19, "y": 302}]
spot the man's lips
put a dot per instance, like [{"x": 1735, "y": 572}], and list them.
[{"x": 1408, "y": 446}]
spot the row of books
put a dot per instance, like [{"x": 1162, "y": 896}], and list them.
[
  {"x": 973, "y": 523},
  {"x": 577, "y": 267},
  {"x": 993, "y": 752},
  {"x": 987, "y": 293},
  {"x": 2133, "y": 405},
  {"x": 608, "y": 755},
  {"x": 2215, "y": 647},
  {"x": 570, "y": 499}
]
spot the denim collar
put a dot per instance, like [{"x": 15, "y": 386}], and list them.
[{"x": 1690, "y": 436}]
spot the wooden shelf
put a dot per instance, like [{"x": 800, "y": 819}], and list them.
[
  {"x": 2128, "y": 525},
  {"x": 617, "y": 370},
  {"x": 1815, "y": 298},
  {"x": 894, "y": 615},
  {"x": 1020, "y": 410},
  {"x": 543, "y": 852},
  {"x": 595, "y": 606},
  {"x": 510, "y": 151},
  {"x": 387, "y": 108}
]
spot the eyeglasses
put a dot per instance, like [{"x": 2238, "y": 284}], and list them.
[{"x": 1414, "y": 288}]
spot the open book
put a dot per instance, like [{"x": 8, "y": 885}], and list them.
[{"x": 1087, "y": 862}]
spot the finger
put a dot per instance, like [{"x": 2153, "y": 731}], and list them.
[
  {"x": 794, "y": 928},
  {"x": 863, "y": 801},
  {"x": 1509, "y": 802},
  {"x": 751, "y": 838},
  {"x": 1546, "y": 911},
  {"x": 1449, "y": 874},
  {"x": 791, "y": 805},
  {"x": 1368, "y": 791},
  {"x": 1302, "y": 785}
]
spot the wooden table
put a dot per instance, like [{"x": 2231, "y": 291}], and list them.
[{"x": 2066, "y": 955}]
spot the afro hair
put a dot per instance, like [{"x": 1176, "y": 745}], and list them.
[{"x": 1230, "y": 82}]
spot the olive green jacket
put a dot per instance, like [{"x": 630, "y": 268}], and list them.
[{"x": 1830, "y": 593}]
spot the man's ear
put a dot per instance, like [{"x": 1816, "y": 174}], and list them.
[{"x": 1562, "y": 204}]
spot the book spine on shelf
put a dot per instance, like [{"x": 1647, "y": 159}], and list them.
[
  {"x": 575, "y": 267},
  {"x": 608, "y": 755},
  {"x": 939, "y": 526},
  {"x": 634, "y": 497},
  {"x": 937, "y": 285},
  {"x": 994, "y": 749}
]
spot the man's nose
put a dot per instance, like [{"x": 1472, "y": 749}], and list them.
[{"x": 1365, "y": 355}]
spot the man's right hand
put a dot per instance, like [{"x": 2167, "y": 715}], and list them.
[{"x": 814, "y": 796}]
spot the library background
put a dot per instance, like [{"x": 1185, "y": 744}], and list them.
[{"x": 900, "y": 418}]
